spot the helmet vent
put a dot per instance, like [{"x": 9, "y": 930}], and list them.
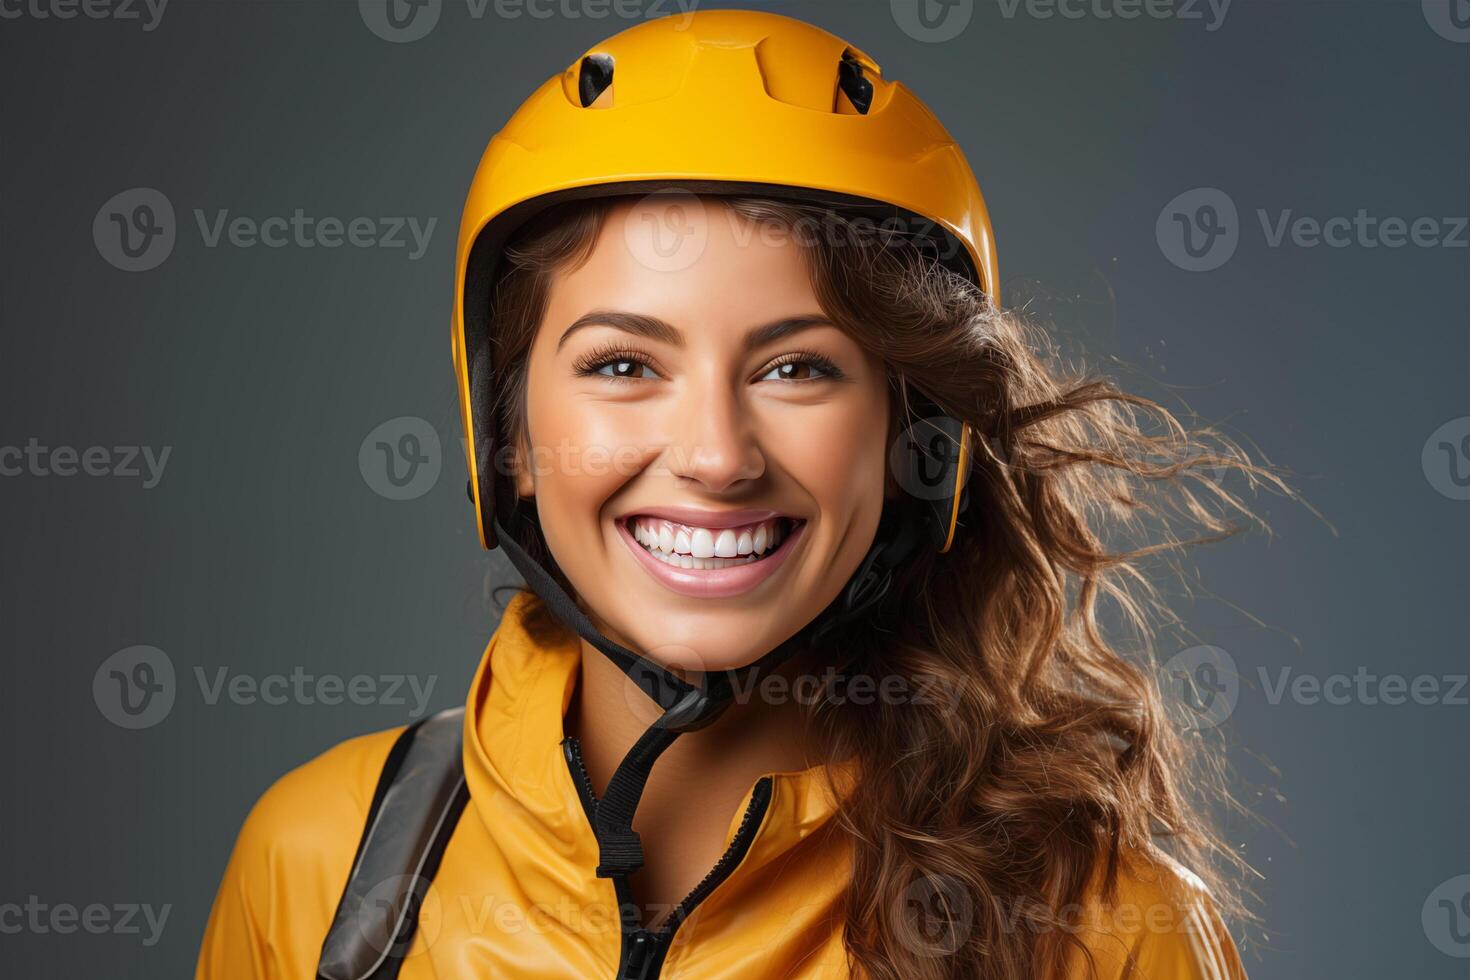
[
  {"x": 858, "y": 89},
  {"x": 595, "y": 78}
]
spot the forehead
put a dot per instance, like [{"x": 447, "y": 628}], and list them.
[{"x": 690, "y": 261}]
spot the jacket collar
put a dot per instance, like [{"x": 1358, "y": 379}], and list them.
[{"x": 516, "y": 771}]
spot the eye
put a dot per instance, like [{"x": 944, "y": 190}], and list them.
[
  {"x": 619, "y": 365},
  {"x": 802, "y": 366}
]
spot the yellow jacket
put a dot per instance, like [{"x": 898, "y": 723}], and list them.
[{"x": 516, "y": 895}]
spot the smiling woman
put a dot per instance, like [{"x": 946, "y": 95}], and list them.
[{"x": 763, "y": 419}]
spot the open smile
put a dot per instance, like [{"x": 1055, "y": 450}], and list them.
[{"x": 713, "y": 557}]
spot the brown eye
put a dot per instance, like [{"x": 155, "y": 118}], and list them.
[
  {"x": 617, "y": 364},
  {"x": 794, "y": 371},
  {"x": 620, "y": 369},
  {"x": 802, "y": 367}
]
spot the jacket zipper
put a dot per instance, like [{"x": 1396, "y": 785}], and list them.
[{"x": 644, "y": 949}]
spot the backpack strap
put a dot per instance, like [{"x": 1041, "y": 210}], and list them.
[{"x": 420, "y": 796}]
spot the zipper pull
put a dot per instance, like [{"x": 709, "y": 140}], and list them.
[{"x": 640, "y": 956}]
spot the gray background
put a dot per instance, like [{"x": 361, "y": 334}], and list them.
[{"x": 264, "y": 548}]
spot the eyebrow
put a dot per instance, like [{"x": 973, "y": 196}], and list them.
[{"x": 652, "y": 327}]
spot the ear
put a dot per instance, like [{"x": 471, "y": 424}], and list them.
[
  {"x": 521, "y": 471},
  {"x": 892, "y": 489}
]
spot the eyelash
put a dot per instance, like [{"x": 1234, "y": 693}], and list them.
[{"x": 591, "y": 363}]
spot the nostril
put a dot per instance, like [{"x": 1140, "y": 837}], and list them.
[{"x": 595, "y": 77}]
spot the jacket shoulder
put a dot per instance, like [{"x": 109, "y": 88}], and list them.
[
  {"x": 1160, "y": 922},
  {"x": 290, "y": 863}
]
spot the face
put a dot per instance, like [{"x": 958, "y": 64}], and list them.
[{"x": 707, "y": 450}]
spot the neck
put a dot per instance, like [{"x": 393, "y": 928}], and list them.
[
  {"x": 696, "y": 786},
  {"x": 755, "y": 735}
]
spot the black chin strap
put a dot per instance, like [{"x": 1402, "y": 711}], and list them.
[{"x": 685, "y": 706}]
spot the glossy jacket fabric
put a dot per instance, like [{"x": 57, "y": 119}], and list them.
[{"x": 516, "y": 895}]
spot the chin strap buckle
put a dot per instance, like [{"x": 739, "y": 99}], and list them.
[
  {"x": 697, "y": 708},
  {"x": 620, "y": 852}
]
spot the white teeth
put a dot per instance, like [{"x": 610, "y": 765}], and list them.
[
  {"x": 705, "y": 548},
  {"x": 708, "y": 564}
]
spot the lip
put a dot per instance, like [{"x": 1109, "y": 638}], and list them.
[
  {"x": 712, "y": 583},
  {"x": 699, "y": 517}
]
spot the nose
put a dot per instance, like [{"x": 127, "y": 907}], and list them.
[{"x": 715, "y": 442}]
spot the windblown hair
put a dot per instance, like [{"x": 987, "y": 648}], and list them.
[{"x": 1052, "y": 757}]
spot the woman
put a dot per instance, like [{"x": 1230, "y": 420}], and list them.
[{"x": 808, "y": 680}]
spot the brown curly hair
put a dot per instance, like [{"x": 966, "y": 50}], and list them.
[{"x": 1050, "y": 758}]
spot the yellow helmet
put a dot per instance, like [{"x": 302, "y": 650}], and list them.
[{"x": 714, "y": 101}]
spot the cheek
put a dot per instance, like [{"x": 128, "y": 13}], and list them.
[
  {"x": 583, "y": 452},
  {"x": 838, "y": 454}
]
